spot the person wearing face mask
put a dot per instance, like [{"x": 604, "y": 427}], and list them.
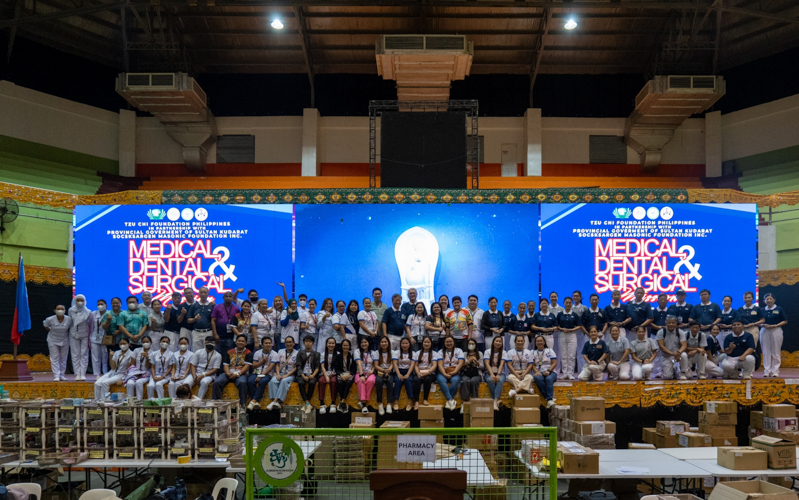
[
  {"x": 171, "y": 323},
  {"x": 472, "y": 372},
  {"x": 308, "y": 318},
  {"x": 99, "y": 352},
  {"x": 181, "y": 375},
  {"x": 302, "y": 304},
  {"x": 133, "y": 322},
  {"x": 79, "y": 334},
  {"x": 58, "y": 327},
  {"x": 235, "y": 364},
  {"x": 205, "y": 363},
  {"x": 252, "y": 298},
  {"x": 120, "y": 363},
  {"x": 139, "y": 373},
  {"x": 162, "y": 363}
]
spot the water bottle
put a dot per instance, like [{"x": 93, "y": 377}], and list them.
[
  {"x": 3, "y": 492},
  {"x": 180, "y": 487}
]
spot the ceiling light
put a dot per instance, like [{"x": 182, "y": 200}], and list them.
[
  {"x": 570, "y": 24},
  {"x": 279, "y": 26}
]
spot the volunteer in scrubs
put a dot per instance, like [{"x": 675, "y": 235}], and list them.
[
  {"x": 58, "y": 327},
  {"x": 79, "y": 334},
  {"x": 99, "y": 352},
  {"x": 120, "y": 362}
]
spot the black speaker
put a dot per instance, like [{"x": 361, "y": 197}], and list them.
[{"x": 423, "y": 150}]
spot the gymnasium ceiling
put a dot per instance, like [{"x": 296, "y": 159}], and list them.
[{"x": 338, "y": 36}]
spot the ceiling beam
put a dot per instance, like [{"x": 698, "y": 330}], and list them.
[
  {"x": 371, "y": 48},
  {"x": 759, "y": 13},
  {"x": 539, "y": 49},
  {"x": 87, "y": 9},
  {"x": 378, "y": 31},
  {"x": 406, "y": 15},
  {"x": 305, "y": 43}
]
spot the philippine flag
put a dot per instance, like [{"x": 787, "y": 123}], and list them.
[{"x": 22, "y": 313}]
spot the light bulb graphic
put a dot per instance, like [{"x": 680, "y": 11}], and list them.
[{"x": 416, "y": 253}]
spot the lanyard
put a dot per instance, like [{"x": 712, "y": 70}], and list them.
[{"x": 180, "y": 366}]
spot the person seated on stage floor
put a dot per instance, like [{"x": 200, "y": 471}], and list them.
[
  {"x": 450, "y": 361},
  {"x": 327, "y": 377},
  {"x": 346, "y": 368},
  {"x": 425, "y": 366},
  {"x": 672, "y": 345},
  {"x": 403, "y": 370},
  {"x": 494, "y": 359},
  {"x": 595, "y": 354},
  {"x": 771, "y": 336},
  {"x": 739, "y": 348},
  {"x": 520, "y": 364},
  {"x": 236, "y": 363},
  {"x": 472, "y": 372},
  {"x": 643, "y": 350},
  {"x": 309, "y": 365},
  {"x": 619, "y": 355},
  {"x": 715, "y": 354},
  {"x": 139, "y": 373},
  {"x": 57, "y": 327},
  {"x": 263, "y": 363},
  {"x": 695, "y": 343},
  {"x": 182, "y": 363},
  {"x": 120, "y": 362},
  {"x": 384, "y": 368},
  {"x": 206, "y": 364},
  {"x": 284, "y": 375},
  {"x": 545, "y": 363},
  {"x": 162, "y": 363}
]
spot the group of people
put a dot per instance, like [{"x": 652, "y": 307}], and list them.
[{"x": 260, "y": 346}]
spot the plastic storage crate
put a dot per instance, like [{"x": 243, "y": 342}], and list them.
[
  {"x": 124, "y": 416},
  {"x": 153, "y": 416},
  {"x": 69, "y": 438},
  {"x": 96, "y": 442}
]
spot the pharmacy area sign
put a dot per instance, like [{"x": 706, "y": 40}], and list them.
[
  {"x": 416, "y": 449},
  {"x": 278, "y": 461}
]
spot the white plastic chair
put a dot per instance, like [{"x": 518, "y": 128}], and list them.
[
  {"x": 98, "y": 494},
  {"x": 649, "y": 497},
  {"x": 229, "y": 484},
  {"x": 34, "y": 490}
]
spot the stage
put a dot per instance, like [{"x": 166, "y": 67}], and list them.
[{"x": 622, "y": 394}]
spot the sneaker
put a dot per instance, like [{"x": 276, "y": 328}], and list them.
[
  {"x": 550, "y": 403},
  {"x": 360, "y": 405},
  {"x": 332, "y": 408},
  {"x": 702, "y": 377},
  {"x": 278, "y": 406},
  {"x": 511, "y": 393},
  {"x": 323, "y": 409},
  {"x": 496, "y": 406},
  {"x": 461, "y": 409},
  {"x": 408, "y": 407},
  {"x": 380, "y": 410},
  {"x": 453, "y": 404},
  {"x": 271, "y": 406},
  {"x": 364, "y": 410},
  {"x": 683, "y": 377},
  {"x": 747, "y": 377},
  {"x": 56, "y": 379},
  {"x": 389, "y": 410},
  {"x": 251, "y": 406}
]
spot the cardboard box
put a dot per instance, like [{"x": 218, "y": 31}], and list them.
[
  {"x": 365, "y": 419},
  {"x": 779, "y": 411},
  {"x": 526, "y": 401},
  {"x": 664, "y": 441},
  {"x": 741, "y": 458},
  {"x": 586, "y": 428},
  {"x": 717, "y": 430},
  {"x": 672, "y": 427},
  {"x": 387, "y": 448},
  {"x": 481, "y": 422},
  {"x": 721, "y": 407},
  {"x": 577, "y": 459},
  {"x": 694, "y": 440},
  {"x": 498, "y": 491},
  {"x": 648, "y": 435},
  {"x": 525, "y": 416},
  {"x": 725, "y": 441},
  {"x": 756, "y": 419},
  {"x": 781, "y": 453},
  {"x": 640, "y": 446},
  {"x": 718, "y": 418},
  {"x": 751, "y": 490},
  {"x": 481, "y": 407},
  {"x": 587, "y": 409},
  {"x": 467, "y": 410},
  {"x": 431, "y": 424},
  {"x": 792, "y": 436},
  {"x": 780, "y": 424},
  {"x": 482, "y": 442},
  {"x": 432, "y": 412}
]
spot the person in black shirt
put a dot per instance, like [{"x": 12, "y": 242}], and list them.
[
  {"x": 345, "y": 368},
  {"x": 493, "y": 323}
]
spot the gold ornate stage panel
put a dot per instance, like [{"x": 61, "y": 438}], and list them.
[{"x": 623, "y": 394}]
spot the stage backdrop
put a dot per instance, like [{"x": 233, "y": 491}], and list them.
[
  {"x": 344, "y": 251},
  {"x": 597, "y": 248},
  {"x": 124, "y": 250}
]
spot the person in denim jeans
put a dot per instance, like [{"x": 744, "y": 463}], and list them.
[
  {"x": 450, "y": 361},
  {"x": 403, "y": 373},
  {"x": 494, "y": 359},
  {"x": 544, "y": 375},
  {"x": 263, "y": 363}
]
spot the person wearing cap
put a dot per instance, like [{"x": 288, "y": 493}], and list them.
[
  {"x": 681, "y": 310},
  {"x": 739, "y": 348},
  {"x": 235, "y": 364},
  {"x": 206, "y": 363},
  {"x": 706, "y": 313}
]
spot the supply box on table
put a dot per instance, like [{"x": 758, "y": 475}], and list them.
[
  {"x": 781, "y": 453},
  {"x": 751, "y": 490},
  {"x": 741, "y": 458}
]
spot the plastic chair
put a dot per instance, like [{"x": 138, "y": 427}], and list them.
[
  {"x": 34, "y": 490},
  {"x": 98, "y": 494},
  {"x": 649, "y": 497},
  {"x": 229, "y": 484}
]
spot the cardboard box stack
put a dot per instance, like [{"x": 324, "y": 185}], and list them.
[
  {"x": 574, "y": 458},
  {"x": 778, "y": 421},
  {"x": 558, "y": 415},
  {"x": 525, "y": 413},
  {"x": 387, "y": 448},
  {"x": 481, "y": 414},
  {"x": 432, "y": 417},
  {"x": 718, "y": 420},
  {"x": 665, "y": 433},
  {"x": 587, "y": 425}
]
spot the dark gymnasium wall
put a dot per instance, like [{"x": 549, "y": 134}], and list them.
[{"x": 42, "y": 299}]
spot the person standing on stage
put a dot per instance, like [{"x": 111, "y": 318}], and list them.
[
  {"x": 324, "y": 323},
  {"x": 252, "y": 298},
  {"x": 309, "y": 319},
  {"x": 660, "y": 313},
  {"x": 545, "y": 322},
  {"x": 570, "y": 327},
  {"x": 640, "y": 312},
  {"x": 593, "y": 316},
  {"x": 616, "y": 314},
  {"x": 394, "y": 322},
  {"x": 241, "y": 323},
  {"x": 460, "y": 324},
  {"x": 222, "y": 319},
  {"x": 477, "y": 323},
  {"x": 554, "y": 307},
  {"x": 146, "y": 304},
  {"x": 58, "y": 327},
  {"x": 577, "y": 303},
  {"x": 771, "y": 336},
  {"x": 183, "y": 318},
  {"x": 436, "y": 326},
  {"x": 379, "y": 308},
  {"x": 739, "y": 348},
  {"x": 79, "y": 334},
  {"x": 171, "y": 323},
  {"x": 99, "y": 352},
  {"x": 161, "y": 367},
  {"x": 492, "y": 323},
  {"x": 522, "y": 325},
  {"x": 672, "y": 346},
  {"x": 751, "y": 316},
  {"x": 508, "y": 318},
  {"x": 407, "y": 308},
  {"x": 415, "y": 326},
  {"x": 706, "y": 313},
  {"x": 133, "y": 323},
  {"x": 728, "y": 314},
  {"x": 367, "y": 322},
  {"x": 199, "y": 317},
  {"x": 681, "y": 310},
  {"x": 291, "y": 322}
]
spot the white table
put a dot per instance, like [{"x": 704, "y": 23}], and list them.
[
  {"x": 659, "y": 467},
  {"x": 632, "y": 456},
  {"x": 121, "y": 464},
  {"x": 477, "y": 473},
  {"x": 715, "y": 470},
  {"x": 691, "y": 453}
]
